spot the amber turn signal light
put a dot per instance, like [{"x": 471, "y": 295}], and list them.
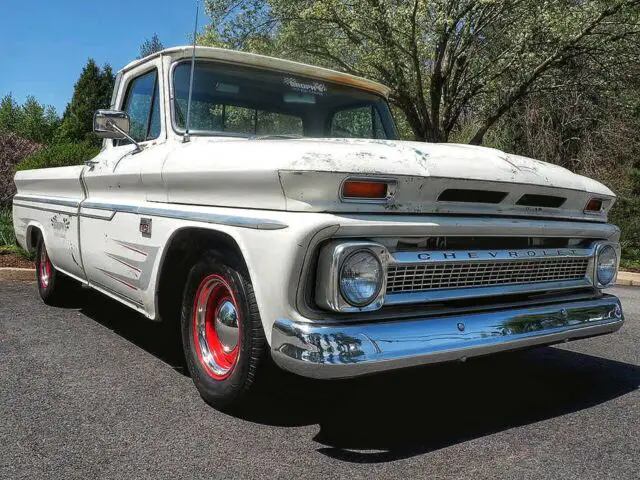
[
  {"x": 594, "y": 205},
  {"x": 364, "y": 189}
]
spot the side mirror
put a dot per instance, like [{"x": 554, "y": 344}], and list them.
[{"x": 111, "y": 124}]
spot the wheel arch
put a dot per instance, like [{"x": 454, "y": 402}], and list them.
[
  {"x": 182, "y": 250},
  {"x": 33, "y": 232}
]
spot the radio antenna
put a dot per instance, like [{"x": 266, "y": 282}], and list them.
[{"x": 186, "y": 137}]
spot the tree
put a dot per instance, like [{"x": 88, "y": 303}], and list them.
[
  {"x": 39, "y": 122},
  {"x": 150, "y": 46},
  {"x": 10, "y": 114},
  {"x": 92, "y": 91},
  {"x": 443, "y": 59},
  {"x": 31, "y": 120}
]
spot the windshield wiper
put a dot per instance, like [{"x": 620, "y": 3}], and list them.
[{"x": 282, "y": 136}]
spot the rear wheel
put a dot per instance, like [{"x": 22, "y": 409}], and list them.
[
  {"x": 53, "y": 286},
  {"x": 222, "y": 332}
]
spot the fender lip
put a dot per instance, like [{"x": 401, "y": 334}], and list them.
[{"x": 334, "y": 351}]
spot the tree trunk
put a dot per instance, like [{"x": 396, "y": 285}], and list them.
[{"x": 478, "y": 138}]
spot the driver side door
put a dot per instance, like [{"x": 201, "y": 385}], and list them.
[{"x": 115, "y": 259}]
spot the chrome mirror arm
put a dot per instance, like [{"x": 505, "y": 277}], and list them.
[{"x": 113, "y": 125}]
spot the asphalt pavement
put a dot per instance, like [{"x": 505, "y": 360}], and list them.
[{"x": 95, "y": 391}]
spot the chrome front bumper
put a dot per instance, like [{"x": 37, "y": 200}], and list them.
[{"x": 353, "y": 349}]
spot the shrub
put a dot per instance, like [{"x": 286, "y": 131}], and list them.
[
  {"x": 7, "y": 236},
  {"x": 59, "y": 155},
  {"x": 12, "y": 150},
  {"x": 626, "y": 215}
]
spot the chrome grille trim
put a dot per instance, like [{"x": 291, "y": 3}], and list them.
[
  {"x": 475, "y": 274},
  {"x": 440, "y": 276}
]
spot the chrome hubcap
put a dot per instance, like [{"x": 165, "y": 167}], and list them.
[
  {"x": 216, "y": 327},
  {"x": 227, "y": 325}
]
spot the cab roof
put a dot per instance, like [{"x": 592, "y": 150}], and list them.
[{"x": 269, "y": 63}]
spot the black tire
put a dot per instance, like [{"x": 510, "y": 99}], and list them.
[
  {"x": 226, "y": 380},
  {"x": 54, "y": 287}
]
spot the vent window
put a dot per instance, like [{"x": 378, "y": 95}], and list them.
[
  {"x": 471, "y": 196},
  {"x": 530, "y": 200}
]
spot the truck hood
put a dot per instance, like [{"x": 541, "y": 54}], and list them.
[{"x": 306, "y": 175}]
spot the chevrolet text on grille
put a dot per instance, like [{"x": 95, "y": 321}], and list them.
[{"x": 490, "y": 255}]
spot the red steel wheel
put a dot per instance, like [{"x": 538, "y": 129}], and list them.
[
  {"x": 222, "y": 336},
  {"x": 45, "y": 268},
  {"x": 216, "y": 327},
  {"x": 53, "y": 286}
]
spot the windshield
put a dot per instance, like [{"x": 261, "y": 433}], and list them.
[{"x": 250, "y": 102}]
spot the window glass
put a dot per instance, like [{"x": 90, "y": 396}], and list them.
[
  {"x": 358, "y": 122},
  {"x": 143, "y": 107},
  {"x": 154, "y": 122},
  {"x": 218, "y": 117},
  {"x": 238, "y": 119},
  {"x": 270, "y": 123},
  {"x": 244, "y": 101}
]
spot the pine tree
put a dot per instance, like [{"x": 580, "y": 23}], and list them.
[
  {"x": 150, "y": 46},
  {"x": 92, "y": 91},
  {"x": 34, "y": 124},
  {"x": 10, "y": 114}
]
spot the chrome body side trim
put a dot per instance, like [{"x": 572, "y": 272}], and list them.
[
  {"x": 347, "y": 350},
  {"x": 45, "y": 209},
  {"x": 205, "y": 217},
  {"x": 113, "y": 207},
  {"x": 47, "y": 200}
]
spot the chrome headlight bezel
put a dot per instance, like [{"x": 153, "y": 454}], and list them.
[
  {"x": 331, "y": 260},
  {"x": 603, "y": 247},
  {"x": 346, "y": 262}
]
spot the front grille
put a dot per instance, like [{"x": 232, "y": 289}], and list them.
[{"x": 446, "y": 275}]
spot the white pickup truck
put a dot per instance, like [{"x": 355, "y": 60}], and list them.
[{"x": 290, "y": 222}]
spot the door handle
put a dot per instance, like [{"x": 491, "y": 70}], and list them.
[{"x": 91, "y": 163}]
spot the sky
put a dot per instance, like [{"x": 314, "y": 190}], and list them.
[{"x": 46, "y": 43}]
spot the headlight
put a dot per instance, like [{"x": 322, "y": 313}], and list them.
[
  {"x": 606, "y": 265},
  {"x": 351, "y": 276},
  {"x": 360, "y": 278}
]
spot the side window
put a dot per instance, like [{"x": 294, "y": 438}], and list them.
[
  {"x": 358, "y": 122},
  {"x": 143, "y": 107}
]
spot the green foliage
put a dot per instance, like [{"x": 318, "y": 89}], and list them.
[
  {"x": 59, "y": 155},
  {"x": 442, "y": 58},
  {"x": 10, "y": 114},
  {"x": 626, "y": 215},
  {"x": 630, "y": 259},
  {"x": 7, "y": 236},
  {"x": 32, "y": 120},
  {"x": 150, "y": 46},
  {"x": 92, "y": 91}
]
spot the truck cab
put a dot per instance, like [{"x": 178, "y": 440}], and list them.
[{"x": 269, "y": 208}]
